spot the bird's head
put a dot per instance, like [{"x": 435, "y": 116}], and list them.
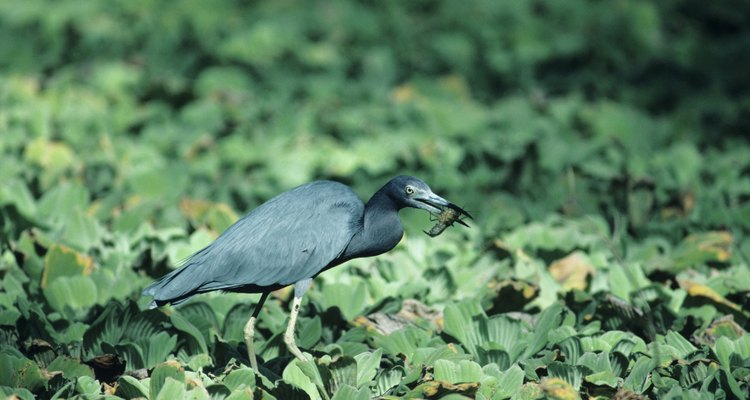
[{"x": 408, "y": 191}]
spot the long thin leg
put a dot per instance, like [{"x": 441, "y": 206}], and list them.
[
  {"x": 299, "y": 290},
  {"x": 250, "y": 331}
]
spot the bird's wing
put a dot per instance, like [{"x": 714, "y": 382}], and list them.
[{"x": 291, "y": 237}]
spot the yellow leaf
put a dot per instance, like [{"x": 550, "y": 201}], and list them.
[
  {"x": 572, "y": 271},
  {"x": 558, "y": 389},
  {"x": 64, "y": 261},
  {"x": 403, "y": 93},
  {"x": 53, "y": 156},
  {"x": 703, "y": 247},
  {"x": 700, "y": 290},
  {"x": 218, "y": 216}
]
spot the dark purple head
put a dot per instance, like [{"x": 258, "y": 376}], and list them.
[{"x": 408, "y": 191}]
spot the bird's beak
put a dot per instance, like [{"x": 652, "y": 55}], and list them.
[{"x": 435, "y": 204}]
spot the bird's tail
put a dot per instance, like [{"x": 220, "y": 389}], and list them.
[{"x": 173, "y": 288}]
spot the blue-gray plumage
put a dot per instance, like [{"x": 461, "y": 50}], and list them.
[{"x": 292, "y": 238}]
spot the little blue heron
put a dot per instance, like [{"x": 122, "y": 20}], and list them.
[{"x": 291, "y": 239}]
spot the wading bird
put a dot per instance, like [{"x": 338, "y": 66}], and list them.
[{"x": 291, "y": 239}]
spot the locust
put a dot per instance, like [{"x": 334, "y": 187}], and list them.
[{"x": 447, "y": 217}]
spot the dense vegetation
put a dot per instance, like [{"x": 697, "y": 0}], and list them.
[{"x": 601, "y": 146}]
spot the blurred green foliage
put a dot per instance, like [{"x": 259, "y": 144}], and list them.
[{"x": 602, "y": 147}]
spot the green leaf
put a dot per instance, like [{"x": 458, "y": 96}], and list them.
[
  {"x": 549, "y": 319},
  {"x": 240, "y": 378},
  {"x": 199, "y": 361},
  {"x": 405, "y": 341},
  {"x": 70, "y": 367},
  {"x": 510, "y": 382},
  {"x": 476, "y": 332},
  {"x": 461, "y": 372},
  {"x": 163, "y": 372},
  {"x": 639, "y": 378},
  {"x": 571, "y": 374},
  {"x": 388, "y": 379},
  {"x": 130, "y": 388},
  {"x": 14, "y": 192},
  {"x": 195, "y": 337},
  {"x": 572, "y": 349},
  {"x": 309, "y": 332},
  {"x": 367, "y": 366},
  {"x": 62, "y": 261},
  {"x": 18, "y": 371},
  {"x": 683, "y": 347},
  {"x": 347, "y": 392},
  {"x": 76, "y": 292},
  {"x": 624, "y": 280},
  {"x": 293, "y": 375},
  {"x": 88, "y": 385},
  {"x": 349, "y": 298},
  {"x": 19, "y": 393},
  {"x": 343, "y": 372},
  {"x": 699, "y": 248},
  {"x": 171, "y": 389},
  {"x": 158, "y": 348}
]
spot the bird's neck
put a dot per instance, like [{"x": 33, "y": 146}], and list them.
[{"x": 381, "y": 229}]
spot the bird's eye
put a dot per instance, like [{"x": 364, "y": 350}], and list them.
[{"x": 409, "y": 190}]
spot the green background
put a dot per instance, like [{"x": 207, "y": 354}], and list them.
[{"x": 601, "y": 146}]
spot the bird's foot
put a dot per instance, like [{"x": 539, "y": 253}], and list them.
[{"x": 297, "y": 353}]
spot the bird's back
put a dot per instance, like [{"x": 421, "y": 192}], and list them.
[{"x": 289, "y": 238}]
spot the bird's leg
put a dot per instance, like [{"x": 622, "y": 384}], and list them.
[
  {"x": 299, "y": 290},
  {"x": 250, "y": 332},
  {"x": 289, "y": 335}
]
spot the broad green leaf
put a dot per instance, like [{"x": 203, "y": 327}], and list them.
[
  {"x": 700, "y": 248},
  {"x": 476, "y": 332},
  {"x": 16, "y": 393},
  {"x": 549, "y": 319},
  {"x": 87, "y": 385},
  {"x": 309, "y": 332},
  {"x": 158, "y": 348},
  {"x": 70, "y": 367},
  {"x": 76, "y": 292},
  {"x": 239, "y": 378},
  {"x": 572, "y": 349},
  {"x": 61, "y": 261},
  {"x": 347, "y": 392},
  {"x": 240, "y": 395},
  {"x": 163, "y": 372},
  {"x": 460, "y": 372},
  {"x": 639, "y": 379},
  {"x": 199, "y": 361},
  {"x": 405, "y": 341},
  {"x": 350, "y": 299},
  {"x": 343, "y": 372},
  {"x": 130, "y": 388},
  {"x": 293, "y": 375},
  {"x": 18, "y": 371},
  {"x": 683, "y": 347},
  {"x": 368, "y": 365},
  {"x": 195, "y": 336},
  {"x": 572, "y": 374},
  {"x": 171, "y": 389},
  {"x": 626, "y": 279},
  {"x": 388, "y": 379},
  {"x": 510, "y": 382},
  {"x": 14, "y": 192}
]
